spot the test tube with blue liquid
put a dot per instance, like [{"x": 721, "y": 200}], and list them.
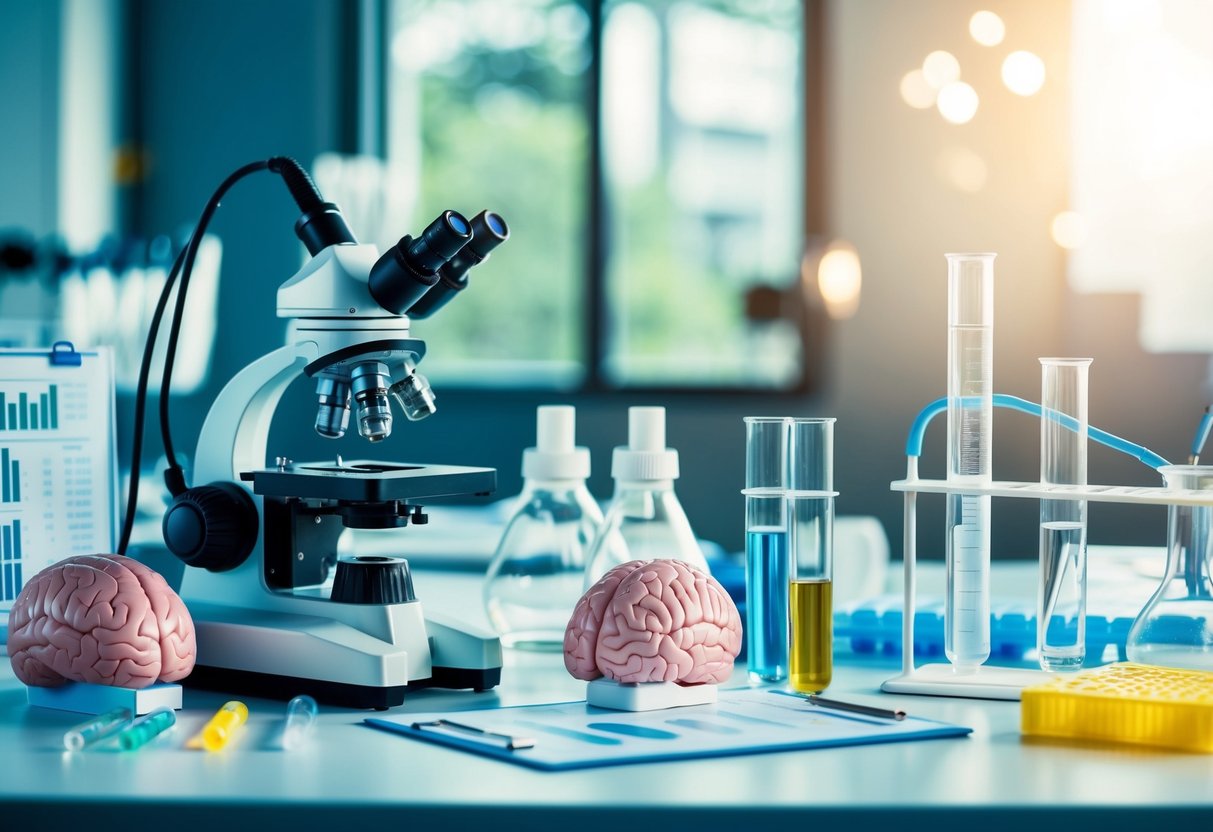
[
  {"x": 970, "y": 428},
  {"x": 766, "y": 548},
  {"x": 1062, "y": 598},
  {"x": 147, "y": 728}
]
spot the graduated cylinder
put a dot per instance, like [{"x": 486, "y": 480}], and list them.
[
  {"x": 970, "y": 426},
  {"x": 1062, "y": 596}
]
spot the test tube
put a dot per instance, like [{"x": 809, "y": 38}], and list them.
[
  {"x": 970, "y": 423},
  {"x": 300, "y": 717},
  {"x": 810, "y": 563},
  {"x": 766, "y": 548},
  {"x": 144, "y": 730},
  {"x": 1061, "y": 609},
  {"x": 96, "y": 729},
  {"x": 222, "y": 726}
]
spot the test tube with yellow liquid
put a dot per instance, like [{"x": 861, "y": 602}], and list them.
[{"x": 810, "y": 555}]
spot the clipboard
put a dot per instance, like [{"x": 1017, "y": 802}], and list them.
[
  {"x": 575, "y": 735},
  {"x": 58, "y": 461}
]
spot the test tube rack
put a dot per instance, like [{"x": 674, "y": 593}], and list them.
[{"x": 990, "y": 682}]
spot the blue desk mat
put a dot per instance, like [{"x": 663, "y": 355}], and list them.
[{"x": 574, "y": 735}]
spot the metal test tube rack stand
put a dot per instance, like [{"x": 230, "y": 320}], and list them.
[{"x": 988, "y": 682}]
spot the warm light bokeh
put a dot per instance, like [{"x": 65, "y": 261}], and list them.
[
  {"x": 915, "y": 90},
  {"x": 987, "y": 28},
  {"x": 958, "y": 102},
  {"x": 1023, "y": 73},
  {"x": 839, "y": 279}
]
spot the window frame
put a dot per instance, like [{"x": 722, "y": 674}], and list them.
[{"x": 365, "y": 79}]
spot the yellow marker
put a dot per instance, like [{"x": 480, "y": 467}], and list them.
[{"x": 222, "y": 726}]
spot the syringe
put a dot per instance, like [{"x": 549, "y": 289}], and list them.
[{"x": 970, "y": 418}]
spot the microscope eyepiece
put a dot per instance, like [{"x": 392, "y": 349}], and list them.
[
  {"x": 409, "y": 269},
  {"x": 488, "y": 231},
  {"x": 494, "y": 222},
  {"x": 439, "y": 242}
]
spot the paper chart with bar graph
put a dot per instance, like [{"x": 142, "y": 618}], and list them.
[{"x": 57, "y": 463}]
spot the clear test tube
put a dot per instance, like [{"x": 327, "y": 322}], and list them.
[
  {"x": 970, "y": 424},
  {"x": 811, "y": 566},
  {"x": 1061, "y": 610},
  {"x": 766, "y": 548}
]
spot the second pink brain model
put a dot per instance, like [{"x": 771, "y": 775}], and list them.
[{"x": 654, "y": 621}]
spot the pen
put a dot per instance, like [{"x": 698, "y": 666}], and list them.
[
  {"x": 507, "y": 741},
  {"x": 97, "y": 728},
  {"x": 866, "y": 710}
]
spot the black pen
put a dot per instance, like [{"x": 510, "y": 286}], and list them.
[
  {"x": 866, "y": 710},
  {"x": 471, "y": 732}
]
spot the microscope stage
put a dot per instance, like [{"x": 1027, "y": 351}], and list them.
[{"x": 370, "y": 481}]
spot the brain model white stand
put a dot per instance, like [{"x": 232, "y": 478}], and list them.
[{"x": 653, "y": 634}]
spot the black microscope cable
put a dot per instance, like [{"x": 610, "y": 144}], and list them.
[
  {"x": 308, "y": 199},
  {"x": 182, "y": 267}
]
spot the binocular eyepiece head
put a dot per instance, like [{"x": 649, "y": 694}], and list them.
[
  {"x": 409, "y": 269},
  {"x": 488, "y": 231}
]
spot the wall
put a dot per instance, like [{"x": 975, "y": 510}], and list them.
[
  {"x": 218, "y": 85},
  {"x": 887, "y": 197},
  {"x": 29, "y": 87},
  {"x": 226, "y": 82}
]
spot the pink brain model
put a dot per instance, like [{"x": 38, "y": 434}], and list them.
[
  {"x": 104, "y": 619},
  {"x": 654, "y": 621}
]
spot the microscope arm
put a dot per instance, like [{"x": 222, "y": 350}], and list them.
[{"x": 235, "y": 435}]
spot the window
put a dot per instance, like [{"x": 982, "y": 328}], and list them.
[{"x": 648, "y": 157}]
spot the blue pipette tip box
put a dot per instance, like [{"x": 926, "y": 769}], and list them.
[{"x": 85, "y": 698}]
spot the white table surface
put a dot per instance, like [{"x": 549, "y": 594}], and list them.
[{"x": 349, "y": 775}]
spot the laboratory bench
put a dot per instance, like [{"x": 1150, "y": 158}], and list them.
[{"x": 351, "y": 776}]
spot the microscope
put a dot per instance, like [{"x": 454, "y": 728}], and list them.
[{"x": 276, "y": 610}]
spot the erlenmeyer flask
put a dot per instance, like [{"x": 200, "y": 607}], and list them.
[{"x": 1175, "y": 629}]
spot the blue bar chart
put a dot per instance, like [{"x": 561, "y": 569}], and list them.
[
  {"x": 10, "y": 561},
  {"x": 30, "y": 410},
  {"x": 58, "y": 478},
  {"x": 10, "y": 478}
]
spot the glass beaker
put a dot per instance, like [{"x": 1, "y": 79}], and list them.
[
  {"x": 1175, "y": 628},
  {"x": 811, "y": 552},
  {"x": 1061, "y": 608},
  {"x": 970, "y": 438}
]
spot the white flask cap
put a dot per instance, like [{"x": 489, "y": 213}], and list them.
[
  {"x": 646, "y": 456},
  {"x": 555, "y": 456}
]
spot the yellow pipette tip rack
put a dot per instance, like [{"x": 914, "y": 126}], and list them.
[{"x": 1125, "y": 703}]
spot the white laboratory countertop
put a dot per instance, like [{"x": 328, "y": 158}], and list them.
[{"x": 350, "y": 775}]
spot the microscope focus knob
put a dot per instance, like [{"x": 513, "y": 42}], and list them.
[
  {"x": 373, "y": 580},
  {"x": 211, "y": 526}
]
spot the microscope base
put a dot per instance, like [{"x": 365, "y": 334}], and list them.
[
  {"x": 342, "y": 695},
  {"x": 269, "y": 686}
]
